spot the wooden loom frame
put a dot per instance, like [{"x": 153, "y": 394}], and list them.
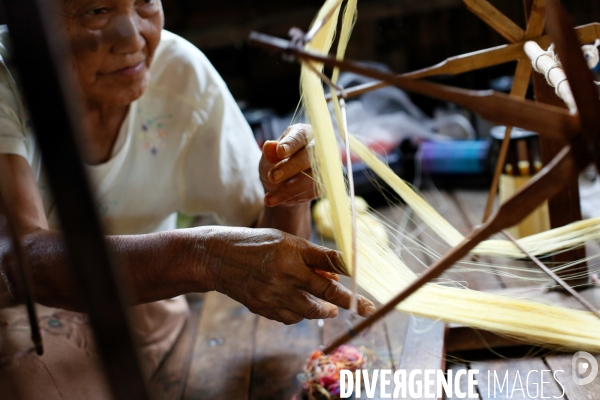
[
  {"x": 582, "y": 144},
  {"x": 564, "y": 208},
  {"x": 38, "y": 49}
]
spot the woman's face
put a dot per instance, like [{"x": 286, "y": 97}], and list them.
[{"x": 113, "y": 42}]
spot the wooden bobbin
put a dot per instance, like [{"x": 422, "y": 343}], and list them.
[
  {"x": 521, "y": 164},
  {"x": 546, "y": 63}
]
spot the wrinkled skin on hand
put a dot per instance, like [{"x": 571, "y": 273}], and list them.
[
  {"x": 276, "y": 275},
  {"x": 285, "y": 170}
]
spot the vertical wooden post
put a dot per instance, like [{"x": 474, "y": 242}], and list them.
[
  {"x": 565, "y": 206},
  {"x": 39, "y": 52}
]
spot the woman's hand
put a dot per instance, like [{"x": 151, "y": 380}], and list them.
[
  {"x": 285, "y": 170},
  {"x": 278, "y": 275}
]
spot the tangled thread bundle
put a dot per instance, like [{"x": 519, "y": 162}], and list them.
[{"x": 321, "y": 374}]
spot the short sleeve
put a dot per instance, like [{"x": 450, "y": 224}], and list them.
[
  {"x": 13, "y": 139},
  {"x": 220, "y": 168}
]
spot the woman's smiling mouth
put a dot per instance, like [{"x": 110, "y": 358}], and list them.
[{"x": 130, "y": 71}]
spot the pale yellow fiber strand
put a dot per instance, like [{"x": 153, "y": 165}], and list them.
[
  {"x": 427, "y": 213},
  {"x": 318, "y": 114},
  {"x": 347, "y": 25},
  {"x": 384, "y": 274},
  {"x": 565, "y": 237}
]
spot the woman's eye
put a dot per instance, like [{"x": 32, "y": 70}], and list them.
[{"x": 98, "y": 11}]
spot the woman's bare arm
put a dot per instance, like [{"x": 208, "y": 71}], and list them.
[{"x": 271, "y": 272}]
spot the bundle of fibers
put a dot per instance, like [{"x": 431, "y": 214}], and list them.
[
  {"x": 383, "y": 274},
  {"x": 566, "y": 237},
  {"x": 321, "y": 214}
]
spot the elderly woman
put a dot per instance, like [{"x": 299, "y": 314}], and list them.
[{"x": 163, "y": 135}]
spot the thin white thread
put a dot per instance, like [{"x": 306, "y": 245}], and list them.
[
  {"x": 556, "y": 89},
  {"x": 546, "y": 53}
]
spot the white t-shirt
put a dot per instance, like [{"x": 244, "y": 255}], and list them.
[{"x": 184, "y": 146}]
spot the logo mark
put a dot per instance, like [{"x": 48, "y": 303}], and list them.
[{"x": 580, "y": 368}]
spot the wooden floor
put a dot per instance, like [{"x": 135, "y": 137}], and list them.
[{"x": 226, "y": 352}]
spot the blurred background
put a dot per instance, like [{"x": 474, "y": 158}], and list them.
[
  {"x": 399, "y": 35},
  {"x": 405, "y": 35}
]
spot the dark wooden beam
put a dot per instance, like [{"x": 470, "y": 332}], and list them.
[
  {"x": 565, "y": 207},
  {"x": 39, "y": 54}
]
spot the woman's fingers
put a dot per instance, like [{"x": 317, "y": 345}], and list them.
[
  {"x": 294, "y": 191},
  {"x": 328, "y": 275},
  {"x": 297, "y": 163},
  {"x": 284, "y": 162},
  {"x": 293, "y": 139},
  {"x": 324, "y": 259},
  {"x": 274, "y": 200},
  {"x": 310, "y": 307},
  {"x": 285, "y": 278},
  {"x": 288, "y": 317},
  {"x": 337, "y": 294},
  {"x": 269, "y": 151}
]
